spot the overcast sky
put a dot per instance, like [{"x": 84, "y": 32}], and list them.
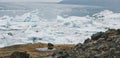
[{"x": 30, "y": 0}]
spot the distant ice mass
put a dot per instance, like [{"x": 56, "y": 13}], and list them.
[
  {"x": 110, "y": 4},
  {"x": 30, "y": 28},
  {"x": 30, "y": 0}
]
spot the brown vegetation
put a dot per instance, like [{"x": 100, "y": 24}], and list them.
[{"x": 30, "y": 49}]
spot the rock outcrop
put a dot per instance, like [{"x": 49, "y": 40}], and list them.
[{"x": 101, "y": 45}]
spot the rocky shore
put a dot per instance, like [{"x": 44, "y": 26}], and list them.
[{"x": 100, "y": 45}]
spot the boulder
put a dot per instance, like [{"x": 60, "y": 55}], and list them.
[
  {"x": 50, "y": 46},
  {"x": 96, "y": 36},
  {"x": 17, "y": 54}
]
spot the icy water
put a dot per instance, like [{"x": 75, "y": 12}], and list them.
[
  {"x": 22, "y": 23},
  {"x": 48, "y": 10}
]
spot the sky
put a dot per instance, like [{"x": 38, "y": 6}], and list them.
[{"x": 30, "y": 0}]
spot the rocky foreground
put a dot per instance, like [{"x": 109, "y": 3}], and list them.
[
  {"x": 29, "y": 50},
  {"x": 101, "y": 45}
]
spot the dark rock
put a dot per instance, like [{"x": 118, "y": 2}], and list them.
[
  {"x": 117, "y": 53},
  {"x": 100, "y": 39},
  {"x": 118, "y": 41},
  {"x": 104, "y": 35},
  {"x": 60, "y": 54},
  {"x": 111, "y": 32},
  {"x": 118, "y": 31},
  {"x": 112, "y": 50},
  {"x": 96, "y": 36},
  {"x": 102, "y": 47},
  {"x": 50, "y": 46},
  {"x": 87, "y": 41},
  {"x": 78, "y": 46},
  {"x": 19, "y": 55},
  {"x": 109, "y": 39}
]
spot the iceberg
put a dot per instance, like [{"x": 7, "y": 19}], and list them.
[{"x": 31, "y": 28}]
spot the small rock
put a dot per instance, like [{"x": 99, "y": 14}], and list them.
[
  {"x": 60, "y": 54},
  {"x": 50, "y": 46}
]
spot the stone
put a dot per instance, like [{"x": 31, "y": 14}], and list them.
[
  {"x": 17, "y": 54},
  {"x": 60, "y": 54},
  {"x": 96, "y": 36},
  {"x": 118, "y": 41},
  {"x": 50, "y": 46},
  {"x": 104, "y": 35},
  {"x": 78, "y": 46},
  {"x": 100, "y": 39},
  {"x": 117, "y": 53},
  {"x": 103, "y": 47},
  {"x": 118, "y": 31},
  {"x": 87, "y": 41},
  {"x": 109, "y": 39}
]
